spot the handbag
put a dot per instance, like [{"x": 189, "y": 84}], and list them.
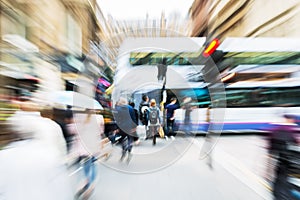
[{"x": 161, "y": 132}]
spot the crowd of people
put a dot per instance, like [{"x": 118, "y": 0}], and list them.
[
  {"x": 46, "y": 148},
  {"x": 157, "y": 122},
  {"x": 51, "y": 154}
]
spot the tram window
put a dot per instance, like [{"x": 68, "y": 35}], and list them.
[
  {"x": 176, "y": 61},
  {"x": 152, "y": 61},
  {"x": 264, "y": 97},
  {"x": 275, "y": 97},
  {"x": 156, "y": 60},
  {"x": 180, "y": 61}
]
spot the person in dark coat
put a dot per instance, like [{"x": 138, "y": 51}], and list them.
[
  {"x": 125, "y": 118},
  {"x": 280, "y": 137},
  {"x": 136, "y": 114},
  {"x": 170, "y": 113}
]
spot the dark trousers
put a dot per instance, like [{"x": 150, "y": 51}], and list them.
[
  {"x": 170, "y": 128},
  {"x": 126, "y": 141},
  {"x": 281, "y": 186}
]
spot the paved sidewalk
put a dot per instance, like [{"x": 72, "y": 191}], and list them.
[{"x": 175, "y": 174}]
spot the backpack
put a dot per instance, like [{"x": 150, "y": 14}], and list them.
[
  {"x": 143, "y": 113},
  {"x": 153, "y": 116}
]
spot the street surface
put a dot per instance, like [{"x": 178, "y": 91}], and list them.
[{"x": 174, "y": 170}]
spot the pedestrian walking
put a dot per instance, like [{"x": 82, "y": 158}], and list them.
[
  {"x": 136, "y": 114},
  {"x": 280, "y": 138},
  {"x": 154, "y": 120},
  {"x": 33, "y": 163},
  {"x": 125, "y": 118},
  {"x": 170, "y": 113},
  {"x": 143, "y": 113},
  {"x": 87, "y": 129},
  {"x": 186, "y": 105}
]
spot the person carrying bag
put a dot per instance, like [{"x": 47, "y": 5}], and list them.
[
  {"x": 154, "y": 120},
  {"x": 161, "y": 132}
]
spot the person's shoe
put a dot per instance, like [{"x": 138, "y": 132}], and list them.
[
  {"x": 137, "y": 142},
  {"x": 166, "y": 137},
  {"x": 123, "y": 155},
  {"x": 107, "y": 156},
  {"x": 172, "y": 138},
  {"x": 154, "y": 142},
  {"x": 81, "y": 191},
  {"x": 129, "y": 157},
  {"x": 209, "y": 163},
  {"x": 117, "y": 138}
]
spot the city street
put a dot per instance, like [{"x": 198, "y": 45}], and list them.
[
  {"x": 77, "y": 76},
  {"x": 173, "y": 170}
]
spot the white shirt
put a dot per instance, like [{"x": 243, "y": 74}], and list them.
[
  {"x": 34, "y": 168},
  {"x": 90, "y": 128},
  {"x": 48, "y": 132}
]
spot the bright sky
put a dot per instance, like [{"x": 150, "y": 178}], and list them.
[{"x": 137, "y": 9}]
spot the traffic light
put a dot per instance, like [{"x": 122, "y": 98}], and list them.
[
  {"x": 212, "y": 59},
  {"x": 212, "y": 52},
  {"x": 211, "y": 48}
]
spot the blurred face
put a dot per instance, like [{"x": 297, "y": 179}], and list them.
[
  {"x": 69, "y": 120},
  {"x": 290, "y": 120},
  {"x": 29, "y": 106},
  {"x": 152, "y": 103}
]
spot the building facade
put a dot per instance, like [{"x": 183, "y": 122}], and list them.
[
  {"x": 245, "y": 18},
  {"x": 51, "y": 40}
]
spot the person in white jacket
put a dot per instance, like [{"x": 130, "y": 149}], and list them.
[
  {"x": 86, "y": 130},
  {"x": 33, "y": 164}
]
